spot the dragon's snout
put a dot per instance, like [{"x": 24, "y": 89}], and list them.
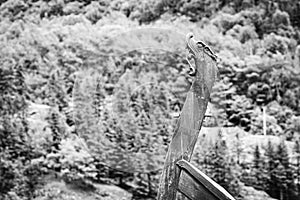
[
  {"x": 194, "y": 47},
  {"x": 189, "y": 35},
  {"x": 190, "y": 45}
]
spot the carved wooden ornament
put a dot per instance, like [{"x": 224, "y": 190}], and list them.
[{"x": 178, "y": 174}]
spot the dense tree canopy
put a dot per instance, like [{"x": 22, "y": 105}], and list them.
[{"x": 85, "y": 99}]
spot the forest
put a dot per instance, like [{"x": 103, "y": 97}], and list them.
[{"x": 91, "y": 90}]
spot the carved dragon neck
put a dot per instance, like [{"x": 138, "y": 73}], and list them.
[
  {"x": 191, "y": 117},
  {"x": 205, "y": 70}
]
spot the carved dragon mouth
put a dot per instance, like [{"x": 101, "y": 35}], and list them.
[
  {"x": 190, "y": 43},
  {"x": 195, "y": 47},
  {"x": 191, "y": 47}
]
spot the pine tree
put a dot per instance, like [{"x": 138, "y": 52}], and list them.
[
  {"x": 297, "y": 171},
  {"x": 15, "y": 149},
  {"x": 257, "y": 157},
  {"x": 269, "y": 167},
  {"x": 219, "y": 167},
  {"x": 282, "y": 154},
  {"x": 280, "y": 183},
  {"x": 257, "y": 171},
  {"x": 288, "y": 184}
]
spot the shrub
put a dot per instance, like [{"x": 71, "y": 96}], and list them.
[
  {"x": 243, "y": 33},
  {"x": 281, "y": 18},
  {"x": 274, "y": 43},
  {"x": 225, "y": 21}
]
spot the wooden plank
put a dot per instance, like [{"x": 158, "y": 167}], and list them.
[
  {"x": 192, "y": 189},
  {"x": 196, "y": 185},
  {"x": 190, "y": 120},
  {"x": 182, "y": 144}
]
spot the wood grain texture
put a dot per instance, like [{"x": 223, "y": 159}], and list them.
[
  {"x": 182, "y": 144},
  {"x": 193, "y": 189},
  {"x": 196, "y": 185},
  {"x": 190, "y": 121}
]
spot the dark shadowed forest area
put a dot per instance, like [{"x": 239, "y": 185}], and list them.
[{"x": 80, "y": 121}]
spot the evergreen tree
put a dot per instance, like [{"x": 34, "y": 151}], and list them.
[
  {"x": 15, "y": 150},
  {"x": 282, "y": 154},
  {"x": 287, "y": 185},
  {"x": 280, "y": 181},
  {"x": 297, "y": 153},
  {"x": 269, "y": 167},
  {"x": 297, "y": 166},
  {"x": 257, "y": 157},
  {"x": 220, "y": 168},
  {"x": 257, "y": 170}
]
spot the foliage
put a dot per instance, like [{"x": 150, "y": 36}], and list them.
[
  {"x": 216, "y": 162},
  {"x": 272, "y": 170},
  {"x": 69, "y": 109},
  {"x": 19, "y": 176}
]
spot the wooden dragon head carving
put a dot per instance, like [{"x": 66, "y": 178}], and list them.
[
  {"x": 205, "y": 69},
  {"x": 190, "y": 121}
]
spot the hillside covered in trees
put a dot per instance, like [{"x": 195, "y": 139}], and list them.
[{"x": 90, "y": 92}]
